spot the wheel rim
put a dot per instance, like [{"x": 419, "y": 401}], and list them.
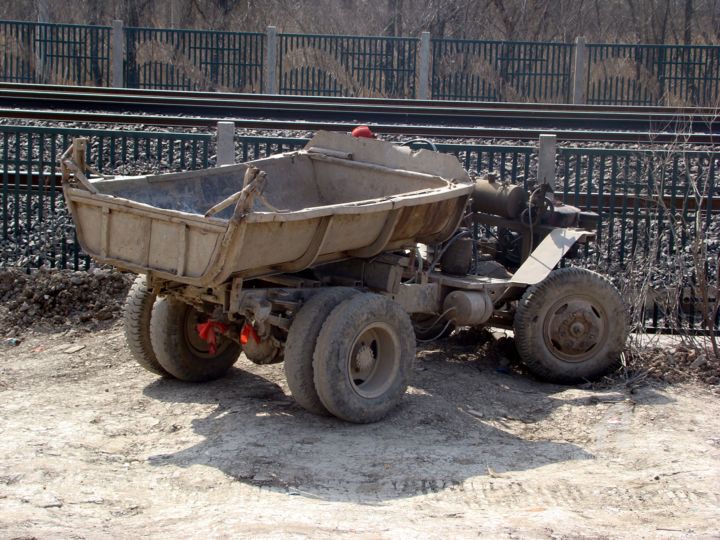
[
  {"x": 374, "y": 360},
  {"x": 575, "y": 328},
  {"x": 197, "y": 345}
]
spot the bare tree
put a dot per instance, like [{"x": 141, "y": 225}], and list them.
[{"x": 610, "y": 21}]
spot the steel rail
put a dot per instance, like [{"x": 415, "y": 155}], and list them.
[
  {"x": 285, "y": 98},
  {"x": 364, "y": 113},
  {"x": 436, "y": 131}
]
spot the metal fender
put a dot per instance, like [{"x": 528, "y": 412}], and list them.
[{"x": 546, "y": 256}]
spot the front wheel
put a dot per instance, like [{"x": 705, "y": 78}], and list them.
[
  {"x": 363, "y": 358},
  {"x": 179, "y": 348},
  {"x": 571, "y": 327}
]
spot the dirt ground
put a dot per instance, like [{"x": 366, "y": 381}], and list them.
[{"x": 92, "y": 446}]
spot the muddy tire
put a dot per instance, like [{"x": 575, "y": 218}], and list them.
[
  {"x": 571, "y": 327},
  {"x": 300, "y": 346},
  {"x": 136, "y": 317},
  {"x": 363, "y": 358},
  {"x": 426, "y": 329},
  {"x": 179, "y": 348}
]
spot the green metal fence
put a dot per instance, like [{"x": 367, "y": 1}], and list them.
[
  {"x": 658, "y": 213},
  {"x": 57, "y": 53},
  {"x": 376, "y": 66},
  {"x": 259, "y": 147},
  {"x": 510, "y": 163},
  {"x": 36, "y": 228},
  {"x": 653, "y": 74},
  {"x": 194, "y": 60},
  {"x": 647, "y": 199},
  {"x": 501, "y": 70},
  {"x": 656, "y": 207},
  {"x": 347, "y": 65}
]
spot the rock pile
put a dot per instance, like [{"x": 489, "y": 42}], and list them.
[{"x": 59, "y": 299}]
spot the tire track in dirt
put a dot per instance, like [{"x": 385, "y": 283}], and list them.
[{"x": 469, "y": 451}]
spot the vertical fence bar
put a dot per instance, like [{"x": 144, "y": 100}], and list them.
[{"x": 424, "y": 69}]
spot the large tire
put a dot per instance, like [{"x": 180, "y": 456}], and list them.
[
  {"x": 363, "y": 358},
  {"x": 300, "y": 346},
  {"x": 571, "y": 326},
  {"x": 136, "y": 315},
  {"x": 179, "y": 348}
]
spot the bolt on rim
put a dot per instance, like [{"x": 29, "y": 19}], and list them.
[
  {"x": 374, "y": 360},
  {"x": 574, "y": 328}
]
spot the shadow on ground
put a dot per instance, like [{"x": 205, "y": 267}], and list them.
[{"x": 447, "y": 430}]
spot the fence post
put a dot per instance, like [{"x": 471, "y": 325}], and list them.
[
  {"x": 579, "y": 77},
  {"x": 43, "y": 11},
  {"x": 41, "y": 72},
  {"x": 424, "y": 77},
  {"x": 546, "y": 160},
  {"x": 270, "y": 60},
  {"x": 174, "y": 13},
  {"x": 117, "y": 48},
  {"x": 225, "y": 143}
]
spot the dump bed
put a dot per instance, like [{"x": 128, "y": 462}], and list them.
[{"x": 339, "y": 197}]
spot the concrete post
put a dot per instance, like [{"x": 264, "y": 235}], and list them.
[
  {"x": 174, "y": 10},
  {"x": 117, "y": 49},
  {"x": 579, "y": 75},
  {"x": 43, "y": 11},
  {"x": 423, "y": 91},
  {"x": 546, "y": 160},
  {"x": 270, "y": 71},
  {"x": 225, "y": 143},
  {"x": 43, "y": 17}
]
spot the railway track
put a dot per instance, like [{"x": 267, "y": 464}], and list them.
[
  {"x": 407, "y": 117},
  {"x": 434, "y": 131},
  {"x": 229, "y": 96}
]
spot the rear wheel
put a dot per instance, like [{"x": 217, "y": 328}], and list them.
[
  {"x": 136, "y": 317},
  {"x": 300, "y": 346},
  {"x": 363, "y": 358},
  {"x": 571, "y": 326},
  {"x": 179, "y": 348}
]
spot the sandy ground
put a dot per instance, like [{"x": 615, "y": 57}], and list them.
[{"x": 92, "y": 446}]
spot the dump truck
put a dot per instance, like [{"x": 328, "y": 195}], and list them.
[{"x": 335, "y": 259}]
